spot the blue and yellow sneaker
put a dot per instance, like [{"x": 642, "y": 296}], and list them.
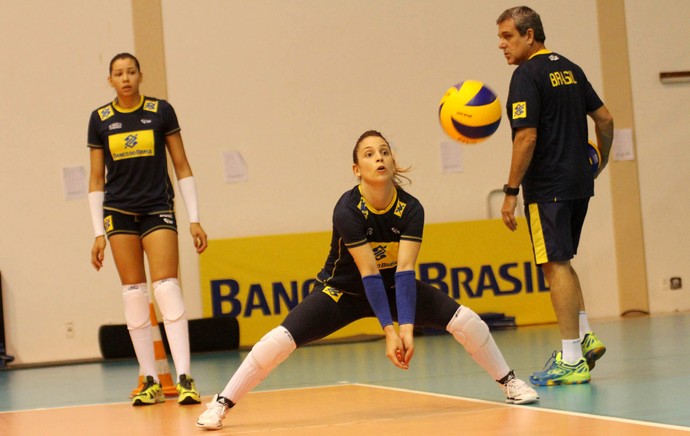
[
  {"x": 592, "y": 349},
  {"x": 557, "y": 372},
  {"x": 151, "y": 393},
  {"x": 186, "y": 391}
]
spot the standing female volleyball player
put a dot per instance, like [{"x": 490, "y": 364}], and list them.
[
  {"x": 377, "y": 234},
  {"x": 133, "y": 206}
]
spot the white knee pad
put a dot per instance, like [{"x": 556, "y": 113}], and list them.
[
  {"x": 273, "y": 349},
  {"x": 137, "y": 306},
  {"x": 469, "y": 329},
  {"x": 169, "y": 299}
]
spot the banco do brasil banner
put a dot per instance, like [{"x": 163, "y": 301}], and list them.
[{"x": 480, "y": 264}]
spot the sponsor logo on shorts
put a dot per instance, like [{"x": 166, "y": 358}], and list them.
[
  {"x": 167, "y": 218},
  {"x": 335, "y": 294},
  {"x": 108, "y": 223}
]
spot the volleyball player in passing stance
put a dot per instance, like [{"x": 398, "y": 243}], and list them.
[
  {"x": 377, "y": 234},
  {"x": 134, "y": 208}
]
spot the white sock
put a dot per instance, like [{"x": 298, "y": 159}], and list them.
[
  {"x": 137, "y": 314},
  {"x": 572, "y": 351},
  {"x": 265, "y": 356},
  {"x": 170, "y": 303},
  {"x": 469, "y": 330},
  {"x": 142, "y": 340},
  {"x": 584, "y": 325},
  {"x": 177, "y": 333},
  {"x": 246, "y": 378},
  {"x": 490, "y": 358}
]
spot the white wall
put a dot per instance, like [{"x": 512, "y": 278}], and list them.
[
  {"x": 289, "y": 84},
  {"x": 662, "y": 118}
]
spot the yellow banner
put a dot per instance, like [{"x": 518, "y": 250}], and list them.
[{"x": 480, "y": 264}]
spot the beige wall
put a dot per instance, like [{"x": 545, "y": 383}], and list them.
[
  {"x": 55, "y": 69},
  {"x": 290, "y": 85},
  {"x": 624, "y": 174},
  {"x": 662, "y": 129}
]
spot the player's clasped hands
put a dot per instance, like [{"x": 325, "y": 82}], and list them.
[{"x": 400, "y": 345}]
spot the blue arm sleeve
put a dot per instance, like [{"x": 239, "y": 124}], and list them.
[
  {"x": 376, "y": 294},
  {"x": 406, "y": 296}
]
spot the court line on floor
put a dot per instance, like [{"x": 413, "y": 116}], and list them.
[{"x": 538, "y": 407}]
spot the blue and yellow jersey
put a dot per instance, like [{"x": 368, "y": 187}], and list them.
[
  {"x": 552, "y": 94},
  {"x": 133, "y": 142},
  {"x": 356, "y": 223}
]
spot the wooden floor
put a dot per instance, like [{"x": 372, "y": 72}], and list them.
[
  {"x": 640, "y": 387},
  {"x": 345, "y": 410}
]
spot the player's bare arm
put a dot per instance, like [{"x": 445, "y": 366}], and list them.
[{"x": 523, "y": 150}]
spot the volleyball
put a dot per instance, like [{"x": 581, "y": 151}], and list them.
[
  {"x": 470, "y": 112},
  {"x": 594, "y": 156}
]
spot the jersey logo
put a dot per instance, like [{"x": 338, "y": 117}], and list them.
[
  {"x": 386, "y": 254},
  {"x": 333, "y": 293},
  {"x": 519, "y": 110},
  {"x": 553, "y": 57},
  {"x": 129, "y": 145},
  {"x": 151, "y": 105},
  {"x": 106, "y": 112},
  {"x": 363, "y": 207},
  {"x": 559, "y": 78},
  {"x": 379, "y": 252},
  {"x": 399, "y": 208}
]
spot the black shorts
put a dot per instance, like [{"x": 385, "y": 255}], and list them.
[
  {"x": 555, "y": 228},
  {"x": 118, "y": 223},
  {"x": 326, "y": 310}
]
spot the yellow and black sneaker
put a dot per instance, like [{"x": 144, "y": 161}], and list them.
[
  {"x": 592, "y": 349},
  {"x": 150, "y": 393},
  {"x": 186, "y": 391}
]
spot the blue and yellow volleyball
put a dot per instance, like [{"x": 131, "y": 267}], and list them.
[
  {"x": 470, "y": 112},
  {"x": 594, "y": 156}
]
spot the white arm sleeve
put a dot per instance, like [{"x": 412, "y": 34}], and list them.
[
  {"x": 188, "y": 190},
  {"x": 96, "y": 207}
]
